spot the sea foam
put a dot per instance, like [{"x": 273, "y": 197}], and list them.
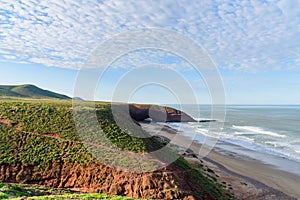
[{"x": 257, "y": 130}]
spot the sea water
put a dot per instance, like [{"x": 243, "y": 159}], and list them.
[{"x": 266, "y": 132}]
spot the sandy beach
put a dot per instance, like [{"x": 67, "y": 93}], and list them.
[{"x": 246, "y": 178}]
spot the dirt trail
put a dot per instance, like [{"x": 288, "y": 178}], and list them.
[{"x": 5, "y": 122}]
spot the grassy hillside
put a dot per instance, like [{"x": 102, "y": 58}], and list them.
[
  {"x": 39, "y": 145},
  {"x": 28, "y": 91},
  {"x": 16, "y": 191}
]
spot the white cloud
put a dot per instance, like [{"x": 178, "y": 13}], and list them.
[
  {"x": 290, "y": 8},
  {"x": 242, "y": 35}
]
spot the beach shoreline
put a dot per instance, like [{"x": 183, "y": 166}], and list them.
[{"x": 247, "y": 178}]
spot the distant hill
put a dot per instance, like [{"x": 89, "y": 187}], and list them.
[
  {"x": 78, "y": 98},
  {"x": 29, "y": 91}
]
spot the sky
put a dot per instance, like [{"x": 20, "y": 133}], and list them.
[{"x": 253, "y": 44}]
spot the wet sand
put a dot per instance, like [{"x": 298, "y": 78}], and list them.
[{"x": 246, "y": 178}]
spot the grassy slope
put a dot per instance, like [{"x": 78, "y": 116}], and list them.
[
  {"x": 27, "y": 125},
  {"x": 13, "y": 191},
  {"x": 28, "y": 91}
]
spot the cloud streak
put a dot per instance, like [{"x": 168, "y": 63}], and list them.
[{"x": 240, "y": 35}]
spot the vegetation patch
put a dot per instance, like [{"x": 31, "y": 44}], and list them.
[{"x": 16, "y": 191}]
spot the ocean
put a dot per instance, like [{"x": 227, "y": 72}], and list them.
[{"x": 270, "y": 133}]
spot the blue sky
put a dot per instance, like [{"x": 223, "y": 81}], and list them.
[{"x": 254, "y": 44}]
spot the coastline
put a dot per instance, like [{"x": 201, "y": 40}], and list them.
[{"x": 246, "y": 178}]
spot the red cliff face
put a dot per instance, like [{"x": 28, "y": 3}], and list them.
[{"x": 158, "y": 113}]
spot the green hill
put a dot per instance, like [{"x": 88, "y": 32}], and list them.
[{"x": 29, "y": 91}]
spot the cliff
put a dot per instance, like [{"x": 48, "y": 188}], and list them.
[{"x": 141, "y": 112}]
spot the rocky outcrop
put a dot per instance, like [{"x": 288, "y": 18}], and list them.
[{"x": 158, "y": 113}]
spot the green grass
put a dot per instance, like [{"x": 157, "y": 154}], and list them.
[
  {"x": 38, "y": 133},
  {"x": 81, "y": 197},
  {"x": 11, "y": 190},
  {"x": 195, "y": 177},
  {"x": 15, "y": 191},
  {"x": 50, "y": 117}
]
